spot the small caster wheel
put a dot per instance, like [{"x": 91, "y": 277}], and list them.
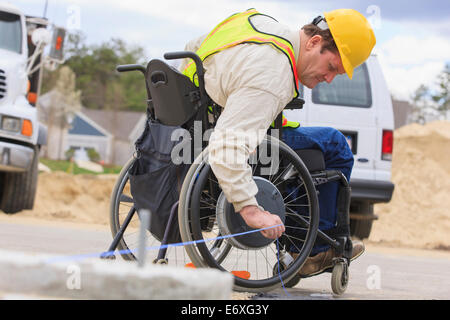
[
  {"x": 161, "y": 261},
  {"x": 107, "y": 256},
  {"x": 292, "y": 282},
  {"x": 339, "y": 277}
]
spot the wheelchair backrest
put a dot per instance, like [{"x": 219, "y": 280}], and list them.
[{"x": 174, "y": 97}]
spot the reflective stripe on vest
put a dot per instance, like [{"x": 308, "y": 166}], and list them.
[{"x": 236, "y": 30}]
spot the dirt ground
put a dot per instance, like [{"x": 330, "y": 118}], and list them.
[
  {"x": 72, "y": 198},
  {"x": 418, "y": 215}
]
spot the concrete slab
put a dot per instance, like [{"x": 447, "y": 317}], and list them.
[{"x": 37, "y": 275}]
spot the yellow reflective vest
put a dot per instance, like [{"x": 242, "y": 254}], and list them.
[{"x": 238, "y": 29}]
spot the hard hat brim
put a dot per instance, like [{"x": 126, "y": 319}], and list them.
[{"x": 347, "y": 65}]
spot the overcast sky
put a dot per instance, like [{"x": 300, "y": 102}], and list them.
[{"x": 413, "y": 37}]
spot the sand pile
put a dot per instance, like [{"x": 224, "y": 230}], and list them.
[
  {"x": 419, "y": 212},
  {"x": 77, "y": 198}
]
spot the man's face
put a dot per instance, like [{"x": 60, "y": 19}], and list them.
[{"x": 317, "y": 67}]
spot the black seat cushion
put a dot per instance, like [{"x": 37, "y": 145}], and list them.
[{"x": 312, "y": 158}]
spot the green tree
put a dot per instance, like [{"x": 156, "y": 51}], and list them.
[
  {"x": 95, "y": 69},
  {"x": 442, "y": 96},
  {"x": 421, "y": 105}
]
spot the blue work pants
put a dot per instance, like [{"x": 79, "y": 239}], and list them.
[{"x": 337, "y": 156}]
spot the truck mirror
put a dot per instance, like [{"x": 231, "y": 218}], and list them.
[
  {"x": 41, "y": 35},
  {"x": 57, "y": 45}
]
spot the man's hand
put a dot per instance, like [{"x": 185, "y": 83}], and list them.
[{"x": 258, "y": 219}]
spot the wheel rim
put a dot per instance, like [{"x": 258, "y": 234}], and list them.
[
  {"x": 202, "y": 253},
  {"x": 339, "y": 278}
]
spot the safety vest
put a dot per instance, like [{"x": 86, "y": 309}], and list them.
[
  {"x": 235, "y": 30},
  {"x": 288, "y": 124}
]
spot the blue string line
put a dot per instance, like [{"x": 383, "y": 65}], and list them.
[
  {"x": 111, "y": 253},
  {"x": 279, "y": 271}
]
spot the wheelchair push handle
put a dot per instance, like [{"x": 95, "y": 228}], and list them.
[
  {"x": 198, "y": 63},
  {"x": 131, "y": 67},
  {"x": 187, "y": 54}
]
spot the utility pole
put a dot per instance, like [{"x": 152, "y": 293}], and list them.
[{"x": 45, "y": 8}]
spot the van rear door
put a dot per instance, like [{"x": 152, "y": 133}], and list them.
[{"x": 347, "y": 105}]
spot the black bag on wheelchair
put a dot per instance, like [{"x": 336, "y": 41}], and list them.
[{"x": 155, "y": 180}]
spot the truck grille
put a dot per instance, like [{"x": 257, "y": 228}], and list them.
[{"x": 2, "y": 84}]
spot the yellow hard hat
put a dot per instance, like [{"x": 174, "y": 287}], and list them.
[{"x": 353, "y": 36}]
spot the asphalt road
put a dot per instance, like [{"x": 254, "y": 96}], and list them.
[{"x": 380, "y": 273}]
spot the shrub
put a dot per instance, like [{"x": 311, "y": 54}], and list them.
[{"x": 93, "y": 155}]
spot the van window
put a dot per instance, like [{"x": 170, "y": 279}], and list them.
[
  {"x": 301, "y": 91},
  {"x": 345, "y": 92}
]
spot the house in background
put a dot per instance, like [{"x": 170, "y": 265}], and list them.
[
  {"x": 124, "y": 128},
  {"x": 110, "y": 133}
]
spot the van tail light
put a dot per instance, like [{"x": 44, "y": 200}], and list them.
[{"x": 387, "y": 145}]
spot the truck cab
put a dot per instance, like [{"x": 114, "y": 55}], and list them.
[
  {"x": 17, "y": 115},
  {"x": 21, "y": 135}
]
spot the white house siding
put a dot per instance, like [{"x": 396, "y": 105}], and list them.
[{"x": 102, "y": 144}]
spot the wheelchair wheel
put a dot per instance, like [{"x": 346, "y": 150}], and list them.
[
  {"x": 339, "y": 277},
  {"x": 121, "y": 205},
  {"x": 285, "y": 188},
  {"x": 295, "y": 280}
]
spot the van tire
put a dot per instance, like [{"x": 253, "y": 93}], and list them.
[
  {"x": 19, "y": 189},
  {"x": 360, "y": 228}
]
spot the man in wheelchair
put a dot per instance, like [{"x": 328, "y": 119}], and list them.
[{"x": 252, "y": 68}]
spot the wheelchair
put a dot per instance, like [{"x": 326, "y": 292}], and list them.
[{"x": 212, "y": 233}]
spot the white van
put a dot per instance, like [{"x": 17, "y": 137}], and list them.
[{"x": 361, "y": 109}]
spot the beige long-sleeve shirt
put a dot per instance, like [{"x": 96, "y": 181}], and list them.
[{"x": 253, "y": 83}]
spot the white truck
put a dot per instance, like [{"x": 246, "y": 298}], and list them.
[
  {"x": 361, "y": 109},
  {"x": 22, "y": 43}
]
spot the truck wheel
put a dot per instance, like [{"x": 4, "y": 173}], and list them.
[
  {"x": 32, "y": 179},
  {"x": 2, "y": 183},
  {"x": 19, "y": 189},
  {"x": 361, "y": 228}
]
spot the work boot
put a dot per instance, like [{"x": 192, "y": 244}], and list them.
[
  {"x": 357, "y": 249},
  {"x": 324, "y": 260}
]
